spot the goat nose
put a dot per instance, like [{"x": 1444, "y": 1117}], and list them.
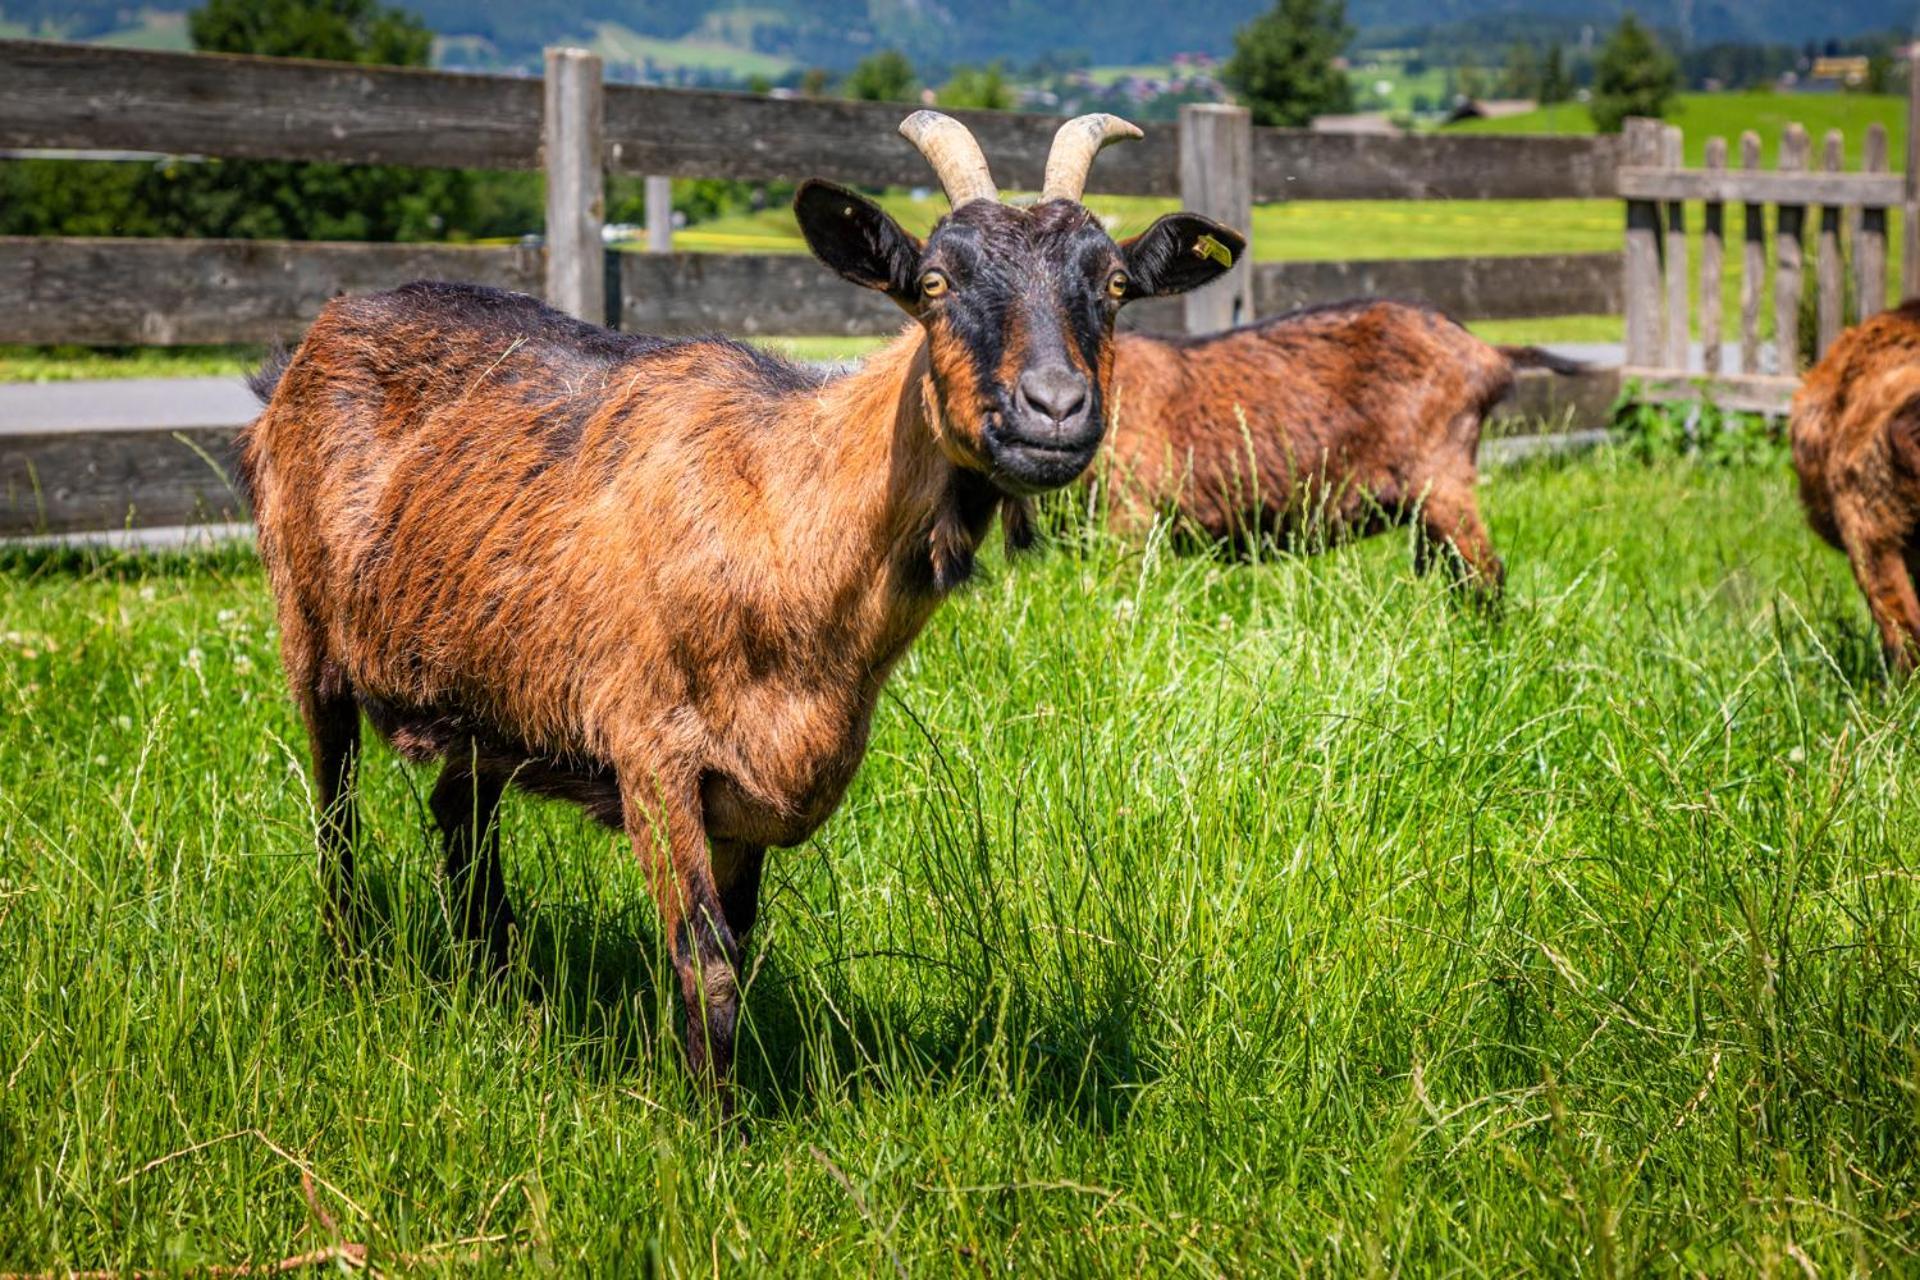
[{"x": 1058, "y": 392}]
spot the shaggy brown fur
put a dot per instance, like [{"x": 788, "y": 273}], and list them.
[
  {"x": 1856, "y": 447},
  {"x": 1346, "y": 419},
  {"x": 663, "y": 580}
]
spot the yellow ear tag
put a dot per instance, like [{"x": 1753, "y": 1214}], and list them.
[{"x": 1208, "y": 247}]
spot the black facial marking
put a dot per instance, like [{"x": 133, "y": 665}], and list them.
[{"x": 1041, "y": 273}]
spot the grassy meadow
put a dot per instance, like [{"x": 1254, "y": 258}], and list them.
[{"x": 1186, "y": 918}]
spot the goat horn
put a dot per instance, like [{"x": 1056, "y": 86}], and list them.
[
  {"x": 950, "y": 148},
  {"x": 1074, "y": 146}
]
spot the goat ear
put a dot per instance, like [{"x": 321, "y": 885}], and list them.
[
  {"x": 1179, "y": 252},
  {"x": 857, "y": 238}
]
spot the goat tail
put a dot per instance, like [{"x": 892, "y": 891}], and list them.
[
  {"x": 1541, "y": 358},
  {"x": 264, "y": 380}
]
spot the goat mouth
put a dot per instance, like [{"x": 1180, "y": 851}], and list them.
[{"x": 1022, "y": 468}]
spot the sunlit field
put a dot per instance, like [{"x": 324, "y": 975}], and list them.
[{"x": 1187, "y": 917}]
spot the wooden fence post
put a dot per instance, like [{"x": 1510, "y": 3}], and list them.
[
  {"x": 1870, "y": 244},
  {"x": 1753, "y": 270},
  {"x": 1789, "y": 258},
  {"x": 1679, "y": 333},
  {"x": 1644, "y": 146},
  {"x": 1910, "y": 210},
  {"x": 1829, "y": 265},
  {"x": 1712, "y": 252},
  {"x": 573, "y": 152},
  {"x": 1216, "y": 179},
  {"x": 659, "y": 214}
]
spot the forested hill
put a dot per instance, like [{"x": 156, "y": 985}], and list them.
[{"x": 837, "y": 33}]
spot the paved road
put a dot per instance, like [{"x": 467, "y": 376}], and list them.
[{"x": 160, "y": 403}]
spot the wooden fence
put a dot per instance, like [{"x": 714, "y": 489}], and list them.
[
  {"x": 1848, "y": 258},
  {"x": 577, "y": 129}
]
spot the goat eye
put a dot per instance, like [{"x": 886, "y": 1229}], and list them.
[
  {"x": 933, "y": 284},
  {"x": 1117, "y": 285}
]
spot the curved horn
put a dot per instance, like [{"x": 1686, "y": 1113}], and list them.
[
  {"x": 950, "y": 148},
  {"x": 1074, "y": 146}
]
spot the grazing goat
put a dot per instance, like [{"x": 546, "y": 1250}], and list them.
[
  {"x": 1357, "y": 414},
  {"x": 666, "y": 580},
  {"x": 1856, "y": 447}
]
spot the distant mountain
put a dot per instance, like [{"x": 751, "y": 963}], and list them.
[{"x": 835, "y": 34}]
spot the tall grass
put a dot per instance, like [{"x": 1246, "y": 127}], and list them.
[{"x": 1186, "y": 916}]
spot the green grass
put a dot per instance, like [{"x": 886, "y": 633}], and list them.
[
  {"x": 620, "y": 44},
  {"x": 152, "y": 30},
  {"x": 70, "y": 363},
  {"x": 1727, "y": 115},
  {"x": 1321, "y": 231},
  {"x": 1391, "y": 66},
  {"x": 1114, "y": 73},
  {"x": 1185, "y": 918}
]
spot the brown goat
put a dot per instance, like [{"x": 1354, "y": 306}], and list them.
[
  {"x": 666, "y": 580},
  {"x": 1346, "y": 418},
  {"x": 1856, "y": 447}
]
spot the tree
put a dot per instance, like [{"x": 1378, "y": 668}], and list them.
[
  {"x": 276, "y": 199},
  {"x": 1285, "y": 64},
  {"x": 982, "y": 87},
  {"x": 1879, "y": 73},
  {"x": 255, "y": 199},
  {"x": 886, "y": 76},
  {"x": 1555, "y": 85},
  {"x": 1522, "y": 77},
  {"x": 1634, "y": 77},
  {"x": 337, "y": 30}
]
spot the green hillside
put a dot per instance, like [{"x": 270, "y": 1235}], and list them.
[
  {"x": 619, "y": 44},
  {"x": 835, "y": 34},
  {"x": 1705, "y": 115}
]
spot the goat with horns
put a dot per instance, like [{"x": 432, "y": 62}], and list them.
[{"x": 666, "y": 580}]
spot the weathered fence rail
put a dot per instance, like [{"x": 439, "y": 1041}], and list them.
[
  {"x": 241, "y": 107},
  {"x": 186, "y": 292},
  {"x": 183, "y": 292}
]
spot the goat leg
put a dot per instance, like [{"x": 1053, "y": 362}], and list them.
[
  {"x": 333, "y": 736},
  {"x": 465, "y": 805},
  {"x": 1450, "y": 527},
  {"x": 1880, "y": 567},
  {"x": 663, "y": 819}
]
